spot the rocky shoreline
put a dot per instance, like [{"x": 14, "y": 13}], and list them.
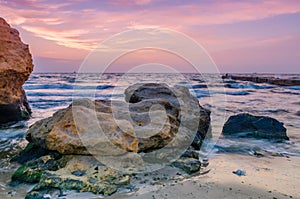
[
  {"x": 263, "y": 79},
  {"x": 58, "y": 159},
  {"x": 68, "y": 151},
  {"x": 152, "y": 139}
]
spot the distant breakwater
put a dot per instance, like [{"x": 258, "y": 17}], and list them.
[{"x": 263, "y": 79}]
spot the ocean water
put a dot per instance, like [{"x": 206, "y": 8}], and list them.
[{"x": 48, "y": 93}]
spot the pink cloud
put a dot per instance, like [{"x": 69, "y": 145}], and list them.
[
  {"x": 82, "y": 29},
  {"x": 130, "y": 2},
  {"x": 68, "y": 38}
]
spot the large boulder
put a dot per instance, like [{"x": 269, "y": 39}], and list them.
[
  {"x": 247, "y": 125},
  {"x": 178, "y": 97},
  {"x": 107, "y": 126},
  {"x": 95, "y": 146},
  {"x": 15, "y": 68},
  {"x": 66, "y": 134}
]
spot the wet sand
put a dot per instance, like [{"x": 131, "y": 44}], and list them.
[{"x": 266, "y": 177}]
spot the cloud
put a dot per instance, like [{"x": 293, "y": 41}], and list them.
[
  {"x": 81, "y": 24},
  {"x": 130, "y": 2},
  {"x": 69, "y": 38}
]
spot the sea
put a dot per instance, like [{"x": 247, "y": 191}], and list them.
[{"x": 49, "y": 92}]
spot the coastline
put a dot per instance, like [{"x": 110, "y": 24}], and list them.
[
  {"x": 271, "y": 79},
  {"x": 266, "y": 177}
]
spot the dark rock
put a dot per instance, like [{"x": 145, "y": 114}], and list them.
[
  {"x": 79, "y": 172},
  {"x": 264, "y": 153},
  {"x": 246, "y": 125},
  {"x": 32, "y": 152},
  {"x": 239, "y": 172},
  {"x": 10, "y": 113},
  {"x": 190, "y": 153},
  {"x": 188, "y": 165},
  {"x": 262, "y": 79}
]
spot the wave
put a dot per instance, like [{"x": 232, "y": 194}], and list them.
[
  {"x": 66, "y": 87},
  {"x": 292, "y": 87},
  {"x": 285, "y": 92},
  {"x": 247, "y": 86},
  {"x": 236, "y": 93},
  {"x": 196, "y": 86},
  {"x": 250, "y": 146}
]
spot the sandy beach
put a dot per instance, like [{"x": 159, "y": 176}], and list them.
[{"x": 266, "y": 177}]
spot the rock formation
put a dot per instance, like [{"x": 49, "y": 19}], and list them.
[
  {"x": 154, "y": 124},
  {"x": 246, "y": 125},
  {"x": 141, "y": 134},
  {"x": 144, "y": 92},
  {"x": 263, "y": 79},
  {"x": 15, "y": 68}
]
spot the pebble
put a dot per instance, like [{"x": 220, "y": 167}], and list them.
[{"x": 239, "y": 172}]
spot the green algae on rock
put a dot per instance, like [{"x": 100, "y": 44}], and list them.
[
  {"x": 32, "y": 171},
  {"x": 96, "y": 177}
]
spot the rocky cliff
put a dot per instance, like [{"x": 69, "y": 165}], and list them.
[{"x": 15, "y": 68}]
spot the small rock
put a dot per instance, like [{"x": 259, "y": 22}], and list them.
[
  {"x": 263, "y": 153},
  {"x": 93, "y": 180},
  {"x": 204, "y": 162},
  {"x": 12, "y": 193},
  {"x": 239, "y": 172},
  {"x": 79, "y": 172},
  {"x": 190, "y": 153},
  {"x": 189, "y": 165}
]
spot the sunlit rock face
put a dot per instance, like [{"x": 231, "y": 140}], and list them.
[
  {"x": 149, "y": 120},
  {"x": 15, "y": 68}
]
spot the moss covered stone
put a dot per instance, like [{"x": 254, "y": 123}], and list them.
[
  {"x": 27, "y": 174},
  {"x": 188, "y": 165},
  {"x": 32, "y": 171},
  {"x": 95, "y": 177}
]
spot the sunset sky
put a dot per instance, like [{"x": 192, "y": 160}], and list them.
[{"x": 240, "y": 36}]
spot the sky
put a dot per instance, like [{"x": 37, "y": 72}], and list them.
[{"x": 239, "y": 36}]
